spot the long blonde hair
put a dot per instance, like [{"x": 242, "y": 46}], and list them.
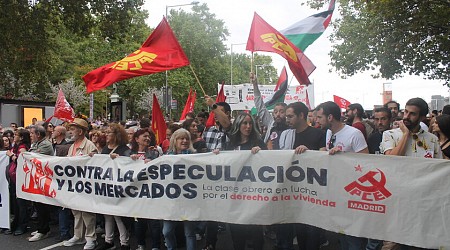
[{"x": 178, "y": 134}]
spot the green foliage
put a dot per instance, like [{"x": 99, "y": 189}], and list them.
[
  {"x": 55, "y": 42},
  {"x": 393, "y": 37}
]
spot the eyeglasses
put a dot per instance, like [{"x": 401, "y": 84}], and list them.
[
  {"x": 418, "y": 142},
  {"x": 50, "y": 125},
  {"x": 331, "y": 142}
]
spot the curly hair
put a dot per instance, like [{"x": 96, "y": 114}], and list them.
[{"x": 121, "y": 137}]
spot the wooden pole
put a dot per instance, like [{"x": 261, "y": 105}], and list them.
[{"x": 198, "y": 81}]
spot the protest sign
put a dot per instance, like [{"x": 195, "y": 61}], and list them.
[
  {"x": 400, "y": 199},
  {"x": 4, "y": 191}
]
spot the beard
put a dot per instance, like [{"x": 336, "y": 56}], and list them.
[
  {"x": 410, "y": 124},
  {"x": 350, "y": 120}
]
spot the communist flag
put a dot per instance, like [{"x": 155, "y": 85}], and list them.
[
  {"x": 158, "y": 123},
  {"x": 190, "y": 102},
  {"x": 63, "y": 110},
  {"x": 220, "y": 98},
  {"x": 341, "y": 102},
  {"x": 161, "y": 51},
  {"x": 264, "y": 37}
]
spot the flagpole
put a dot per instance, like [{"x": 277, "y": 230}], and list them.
[
  {"x": 198, "y": 81},
  {"x": 251, "y": 63}
]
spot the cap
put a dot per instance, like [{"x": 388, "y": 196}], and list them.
[{"x": 81, "y": 123}]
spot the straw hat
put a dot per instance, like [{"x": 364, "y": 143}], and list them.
[{"x": 81, "y": 123}]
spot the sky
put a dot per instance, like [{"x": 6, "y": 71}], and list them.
[{"x": 361, "y": 88}]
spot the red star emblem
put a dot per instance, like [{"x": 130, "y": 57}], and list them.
[{"x": 358, "y": 168}]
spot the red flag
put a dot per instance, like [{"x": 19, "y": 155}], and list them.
[
  {"x": 190, "y": 102},
  {"x": 341, "y": 102},
  {"x": 161, "y": 51},
  {"x": 63, "y": 110},
  {"x": 158, "y": 123},
  {"x": 220, "y": 98},
  {"x": 307, "y": 101},
  {"x": 264, "y": 37}
]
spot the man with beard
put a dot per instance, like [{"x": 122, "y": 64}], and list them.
[
  {"x": 300, "y": 137},
  {"x": 355, "y": 113},
  {"x": 341, "y": 138},
  {"x": 84, "y": 222},
  {"x": 394, "y": 107},
  {"x": 410, "y": 140},
  {"x": 275, "y": 123},
  {"x": 382, "y": 119}
]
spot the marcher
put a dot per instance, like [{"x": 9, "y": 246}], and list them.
[
  {"x": 442, "y": 128},
  {"x": 143, "y": 147},
  {"x": 22, "y": 143},
  {"x": 244, "y": 135},
  {"x": 84, "y": 222},
  {"x": 410, "y": 140},
  {"x": 216, "y": 138},
  {"x": 41, "y": 145},
  {"x": 341, "y": 138},
  {"x": 117, "y": 140},
  {"x": 275, "y": 122},
  {"x": 180, "y": 143},
  {"x": 300, "y": 137}
]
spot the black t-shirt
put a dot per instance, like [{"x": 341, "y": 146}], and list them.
[
  {"x": 373, "y": 142},
  {"x": 122, "y": 150},
  {"x": 312, "y": 138},
  {"x": 249, "y": 145}
]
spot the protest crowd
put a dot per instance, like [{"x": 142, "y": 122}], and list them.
[{"x": 411, "y": 131}]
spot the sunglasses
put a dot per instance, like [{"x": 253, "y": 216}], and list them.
[
  {"x": 331, "y": 142},
  {"x": 418, "y": 142}
]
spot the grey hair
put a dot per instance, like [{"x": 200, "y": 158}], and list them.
[
  {"x": 40, "y": 130},
  {"x": 177, "y": 134}
]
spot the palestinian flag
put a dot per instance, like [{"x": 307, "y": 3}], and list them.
[
  {"x": 280, "y": 90},
  {"x": 306, "y": 31},
  {"x": 278, "y": 96}
]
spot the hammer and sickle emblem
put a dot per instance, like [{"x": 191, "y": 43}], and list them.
[
  {"x": 280, "y": 44},
  {"x": 134, "y": 62}
]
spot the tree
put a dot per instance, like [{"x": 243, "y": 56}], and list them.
[{"x": 392, "y": 36}]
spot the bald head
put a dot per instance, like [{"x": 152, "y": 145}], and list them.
[{"x": 59, "y": 133}]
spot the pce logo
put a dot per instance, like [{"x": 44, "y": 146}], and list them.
[
  {"x": 369, "y": 188},
  {"x": 38, "y": 179}
]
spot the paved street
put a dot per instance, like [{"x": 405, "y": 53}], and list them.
[{"x": 21, "y": 242}]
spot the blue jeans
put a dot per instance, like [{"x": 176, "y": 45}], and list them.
[
  {"x": 352, "y": 243},
  {"x": 64, "y": 216},
  {"x": 308, "y": 237},
  {"x": 140, "y": 227},
  {"x": 374, "y": 244},
  {"x": 189, "y": 233}
]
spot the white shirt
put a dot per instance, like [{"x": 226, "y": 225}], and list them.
[
  {"x": 348, "y": 139},
  {"x": 430, "y": 142}
]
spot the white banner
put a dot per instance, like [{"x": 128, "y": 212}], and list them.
[
  {"x": 400, "y": 199},
  {"x": 241, "y": 97},
  {"x": 4, "y": 191}
]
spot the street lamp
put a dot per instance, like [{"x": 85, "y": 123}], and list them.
[
  {"x": 166, "y": 93},
  {"x": 231, "y": 61},
  {"x": 256, "y": 70}
]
